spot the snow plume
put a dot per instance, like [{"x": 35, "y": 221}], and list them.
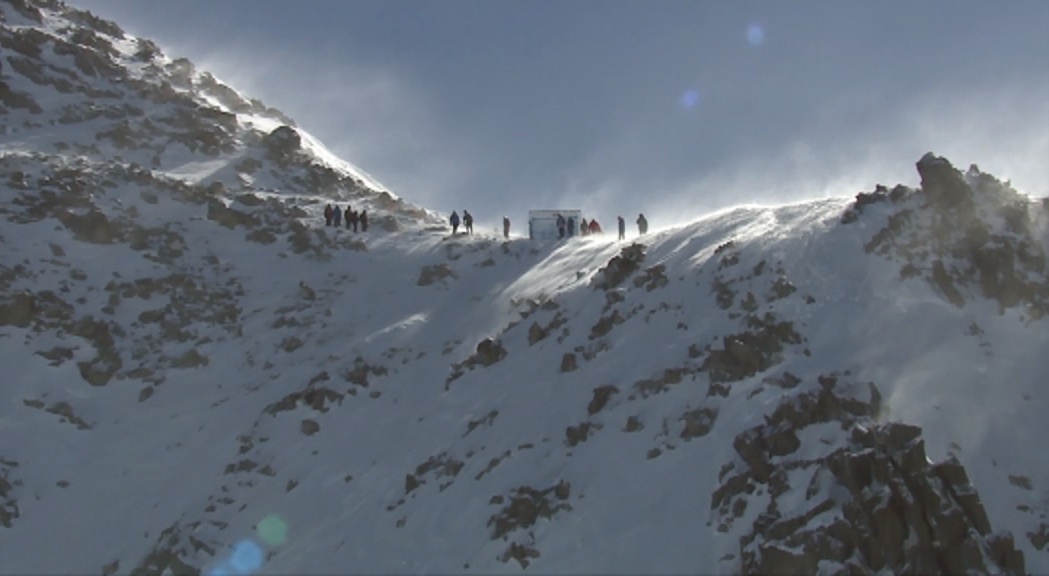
[{"x": 228, "y": 385}]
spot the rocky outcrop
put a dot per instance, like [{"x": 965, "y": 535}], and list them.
[
  {"x": 752, "y": 351},
  {"x": 228, "y": 217},
  {"x": 525, "y": 507},
  {"x": 972, "y": 237},
  {"x": 943, "y": 186},
  {"x": 488, "y": 352},
  {"x": 9, "y": 510},
  {"x": 895, "y": 510},
  {"x": 435, "y": 273},
  {"x": 621, "y": 267},
  {"x": 282, "y": 144}
]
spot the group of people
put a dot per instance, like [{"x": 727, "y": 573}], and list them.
[
  {"x": 333, "y": 216},
  {"x": 467, "y": 221},
  {"x": 566, "y": 227}
]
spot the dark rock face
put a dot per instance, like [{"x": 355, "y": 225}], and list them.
[
  {"x": 525, "y": 507},
  {"x": 622, "y": 267},
  {"x": 489, "y": 352},
  {"x": 755, "y": 350},
  {"x": 228, "y": 217},
  {"x": 282, "y": 143},
  {"x": 897, "y": 511},
  {"x": 972, "y": 237},
  {"x": 9, "y": 511},
  {"x": 943, "y": 186},
  {"x": 19, "y": 310}
]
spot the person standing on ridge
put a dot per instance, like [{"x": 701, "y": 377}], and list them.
[
  {"x": 506, "y": 228},
  {"x": 595, "y": 228},
  {"x": 622, "y": 227},
  {"x": 468, "y": 222},
  {"x": 642, "y": 224},
  {"x": 328, "y": 213},
  {"x": 570, "y": 230},
  {"x": 560, "y": 226},
  {"x": 346, "y": 216},
  {"x": 454, "y": 221},
  {"x": 336, "y": 217},
  {"x": 584, "y": 228},
  {"x": 364, "y": 220},
  {"x": 353, "y": 219}
]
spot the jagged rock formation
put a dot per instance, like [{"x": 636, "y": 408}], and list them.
[
  {"x": 894, "y": 510},
  {"x": 943, "y": 233}
]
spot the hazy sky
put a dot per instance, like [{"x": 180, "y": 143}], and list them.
[{"x": 672, "y": 108}]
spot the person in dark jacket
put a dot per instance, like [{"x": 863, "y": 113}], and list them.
[
  {"x": 328, "y": 213},
  {"x": 506, "y": 227},
  {"x": 364, "y": 220},
  {"x": 560, "y": 226},
  {"x": 346, "y": 216},
  {"x": 354, "y": 218},
  {"x": 595, "y": 228},
  {"x": 454, "y": 221},
  {"x": 336, "y": 217},
  {"x": 642, "y": 224},
  {"x": 622, "y": 227},
  {"x": 570, "y": 229},
  {"x": 468, "y": 222}
]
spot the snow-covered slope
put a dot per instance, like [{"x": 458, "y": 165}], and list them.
[{"x": 206, "y": 378}]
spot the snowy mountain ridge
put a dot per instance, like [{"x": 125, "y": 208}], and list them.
[{"x": 202, "y": 377}]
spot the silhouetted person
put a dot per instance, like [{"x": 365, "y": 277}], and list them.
[
  {"x": 570, "y": 229},
  {"x": 354, "y": 218},
  {"x": 595, "y": 228},
  {"x": 336, "y": 217},
  {"x": 468, "y": 222},
  {"x": 560, "y": 226},
  {"x": 454, "y": 221},
  {"x": 328, "y": 213},
  {"x": 506, "y": 227},
  {"x": 346, "y": 216},
  {"x": 364, "y": 220},
  {"x": 584, "y": 227},
  {"x": 622, "y": 227},
  {"x": 642, "y": 224}
]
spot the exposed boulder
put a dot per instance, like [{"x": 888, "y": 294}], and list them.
[
  {"x": 435, "y": 273},
  {"x": 619, "y": 268},
  {"x": 93, "y": 227},
  {"x": 489, "y": 352},
  {"x": 19, "y": 310},
  {"x": 568, "y": 362},
  {"x": 602, "y": 394},
  {"x": 18, "y": 100},
  {"x": 228, "y": 217},
  {"x": 943, "y": 185},
  {"x": 282, "y": 144}
]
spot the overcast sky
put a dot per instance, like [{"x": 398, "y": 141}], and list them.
[{"x": 671, "y": 108}]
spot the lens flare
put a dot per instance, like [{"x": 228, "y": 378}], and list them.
[
  {"x": 272, "y": 530},
  {"x": 247, "y": 557},
  {"x": 689, "y": 98},
  {"x": 755, "y": 34}
]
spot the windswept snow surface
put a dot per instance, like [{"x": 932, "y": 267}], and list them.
[
  {"x": 277, "y": 396},
  {"x": 202, "y": 452}
]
